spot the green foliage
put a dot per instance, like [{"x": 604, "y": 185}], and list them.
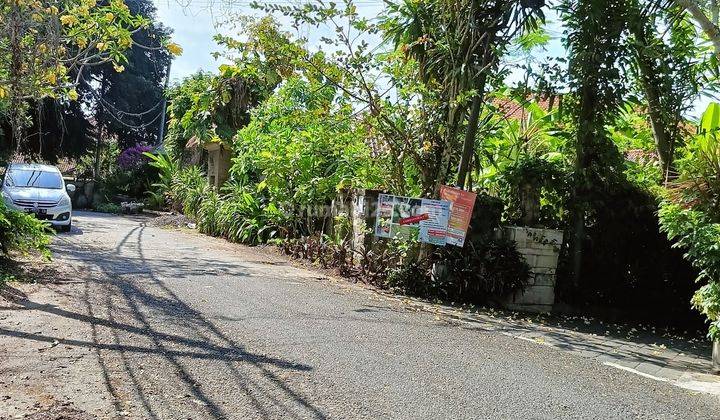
[
  {"x": 300, "y": 148},
  {"x": 167, "y": 168},
  {"x": 699, "y": 236},
  {"x": 189, "y": 186},
  {"x": 486, "y": 268},
  {"x": 5, "y": 277},
  {"x": 133, "y": 183},
  {"x": 110, "y": 208},
  {"x": 21, "y": 232},
  {"x": 536, "y": 192},
  {"x": 197, "y": 111},
  {"x": 690, "y": 215},
  {"x": 239, "y": 217},
  {"x": 212, "y": 108}
]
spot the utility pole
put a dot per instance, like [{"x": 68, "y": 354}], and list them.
[{"x": 161, "y": 132}]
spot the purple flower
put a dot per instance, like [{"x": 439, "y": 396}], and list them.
[{"x": 133, "y": 158}]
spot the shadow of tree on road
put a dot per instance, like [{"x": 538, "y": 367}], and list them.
[{"x": 159, "y": 352}]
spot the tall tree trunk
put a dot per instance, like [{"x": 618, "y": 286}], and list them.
[
  {"x": 15, "y": 73},
  {"x": 706, "y": 24},
  {"x": 648, "y": 78},
  {"x": 469, "y": 142},
  {"x": 477, "y": 103},
  {"x": 585, "y": 137}
]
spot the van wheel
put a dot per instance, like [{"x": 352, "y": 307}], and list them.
[{"x": 66, "y": 228}]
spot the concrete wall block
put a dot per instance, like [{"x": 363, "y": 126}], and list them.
[
  {"x": 510, "y": 233},
  {"x": 531, "y": 260},
  {"x": 540, "y": 252},
  {"x": 535, "y": 295},
  {"x": 540, "y": 248},
  {"x": 544, "y": 279},
  {"x": 533, "y": 237},
  {"x": 546, "y": 271},
  {"x": 546, "y": 261}
]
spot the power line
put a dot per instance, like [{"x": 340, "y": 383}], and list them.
[{"x": 111, "y": 109}]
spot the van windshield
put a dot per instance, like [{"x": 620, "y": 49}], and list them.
[{"x": 33, "y": 179}]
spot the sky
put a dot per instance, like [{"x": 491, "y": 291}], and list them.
[
  {"x": 194, "y": 28},
  {"x": 196, "y": 22}
]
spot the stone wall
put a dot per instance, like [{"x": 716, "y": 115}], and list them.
[
  {"x": 87, "y": 194},
  {"x": 541, "y": 249}
]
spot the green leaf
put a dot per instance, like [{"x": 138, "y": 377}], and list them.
[{"x": 711, "y": 117}]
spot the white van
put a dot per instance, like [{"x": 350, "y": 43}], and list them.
[{"x": 40, "y": 190}]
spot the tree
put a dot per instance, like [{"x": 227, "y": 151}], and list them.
[
  {"x": 671, "y": 70},
  {"x": 709, "y": 25},
  {"x": 46, "y": 45},
  {"x": 127, "y": 105},
  {"x": 594, "y": 42},
  {"x": 446, "y": 63}
]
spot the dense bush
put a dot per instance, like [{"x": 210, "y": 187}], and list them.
[
  {"x": 487, "y": 267},
  {"x": 22, "y": 232},
  {"x": 536, "y": 191},
  {"x": 695, "y": 232},
  {"x": 629, "y": 268},
  {"x": 690, "y": 215},
  {"x": 132, "y": 175},
  {"x": 300, "y": 148}
]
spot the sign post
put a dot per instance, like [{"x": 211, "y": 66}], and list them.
[{"x": 420, "y": 218}]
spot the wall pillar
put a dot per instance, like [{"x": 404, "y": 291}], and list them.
[
  {"x": 541, "y": 249},
  {"x": 364, "y": 208}
]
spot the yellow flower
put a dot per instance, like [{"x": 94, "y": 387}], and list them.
[
  {"x": 73, "y": 95},
  {"x": 427, "y": 146},
  {"x": 119, "y": 68},
  {"x": 109, "y": 17},
  {"x": 81, "y": 42},
  {"x": 101, "y": 46},
  {"x": 36, "y": 17},
  {"x": 52, "y": 78},
  {"x": 68, "y": 20},
  {"x": 174, "y": 49},
  {"x": 3, "y": 93},
  {"x": 42, "y": 48}
]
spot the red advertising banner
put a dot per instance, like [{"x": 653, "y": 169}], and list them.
[
  {"x": 461, "y": 209},
  {"x": 414, "y": 219}
]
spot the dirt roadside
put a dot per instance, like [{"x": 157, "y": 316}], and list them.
[{"x": 43, "y": 375}]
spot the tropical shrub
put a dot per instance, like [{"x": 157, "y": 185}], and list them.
[
  {"x": 21, "y": 232},
  {"x": 167, "y": 167},
  {"x": 699, "y": 236},
  {"x": 110, "y": 208},
  {"x": 132, "y": 176},
  {"x": 536, "y": 191},
  {"x": 301, "y": 146},
  {"x": 690, "y": 215},
  {"x": 487, "y": 267}
]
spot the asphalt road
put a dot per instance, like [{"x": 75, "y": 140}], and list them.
[{"x": 178, "y": 325}]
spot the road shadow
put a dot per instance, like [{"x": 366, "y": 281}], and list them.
[{"x": 152, "y": 345}]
